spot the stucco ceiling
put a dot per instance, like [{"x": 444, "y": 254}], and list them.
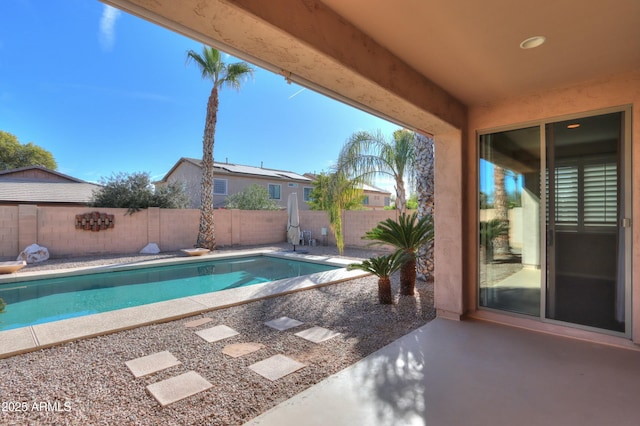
[
  {"x": 471, "y": 48},
  {"x": 420, "y": 63}
]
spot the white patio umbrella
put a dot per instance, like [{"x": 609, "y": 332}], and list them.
[{"x": 293, "y": 223}]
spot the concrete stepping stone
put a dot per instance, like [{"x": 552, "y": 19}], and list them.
[
  {"x": 198, "y": 322},
  {"x": 317, "y": 334},
  {"x": 239, "y": 349},
  {"x": 177, "y": 388},
  {"x": 216, "y": 333},
  {"x": 276, "y": 367},
  {"x": 283, "y": 323},
  {"x": 152, "y": 363}
]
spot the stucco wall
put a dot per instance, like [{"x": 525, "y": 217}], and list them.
[
  {"x": 190, "y": 176},
  {"x": 376, "y": 200},
  {"x": 236, "y": 184},
  {"x": 172, "y": 229},
  {"x": 585, "y": 98}
]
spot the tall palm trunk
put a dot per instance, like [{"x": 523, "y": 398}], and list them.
[
  {"x": 501, "y": 243},
  {"x": 401, "y": 198},
  {"x": 408, "y": 278},
  {"x": 384, "y": 291},
  {"x": 425, "y": 167},
  {"x": 206, "y": 234}
]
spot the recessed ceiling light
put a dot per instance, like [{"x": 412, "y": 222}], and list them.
[
  {"x": 573, "y": 126},
  {"x": 532, "y": 42}
]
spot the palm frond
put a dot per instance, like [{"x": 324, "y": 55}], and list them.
[
  {"x": 213, "y": 68},
  {"x": 236, "y": 74},
  {"x": 381, "y": 266},
  {"x": 407, "y": 233},
  {"x": 208, "y": 62},
  {"x": 367, "y": 155},
  {"x": 363, "y": 156}
]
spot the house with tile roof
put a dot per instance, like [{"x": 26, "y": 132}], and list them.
[{"x": 42, "y": 186}]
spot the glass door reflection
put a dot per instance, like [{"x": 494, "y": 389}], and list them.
[{"x": 509, "y": 221}]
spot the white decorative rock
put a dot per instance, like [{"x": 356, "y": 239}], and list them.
[
  {"x": 151, "y": 248},
  {"x": 34, "y": 254}
]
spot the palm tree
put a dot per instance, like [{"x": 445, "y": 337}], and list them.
[
  {"x": 425, "y": 188},
  {"x": 408, "y": 234},
  {"x": 334, "y": 193},
  {"x": 382, "y": 267},
  {"x": 366, "y": 155},
  {"x": 501, "y": 244},
  {"x": 221, "y": 74}
]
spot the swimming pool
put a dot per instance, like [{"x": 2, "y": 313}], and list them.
[{"x": 46, "y": 300}]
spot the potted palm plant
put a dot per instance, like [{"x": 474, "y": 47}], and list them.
[
  {"x": 382, "y": 267},
  {"x": 407, "y": 234}
]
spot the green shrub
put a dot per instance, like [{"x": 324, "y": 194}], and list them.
[
  {"x": 254, "y": 197},
  {"x": 135, "y": 192}
]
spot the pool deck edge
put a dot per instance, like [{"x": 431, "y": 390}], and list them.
[{"x": 31, "y": 338}]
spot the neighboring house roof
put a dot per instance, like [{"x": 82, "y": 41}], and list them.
[
  {"x": 38, "y": 173},
  {"x": 365, "y": 187},
  {"x": 370, "y": 188},
  {"x": 31, "y": 185},
  {"x": 239, "y": 169}
]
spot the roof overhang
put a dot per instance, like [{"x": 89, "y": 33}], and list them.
[{"x": 421, "y": 64}]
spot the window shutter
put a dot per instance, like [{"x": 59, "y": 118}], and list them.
[
  {"x": 600, "y": 194},
  {"x": 567, "y": 195}
]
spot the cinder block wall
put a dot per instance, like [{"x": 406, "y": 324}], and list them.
[
  {"x": 261, "y": 227},
  {"x": 57, "y": 232},
  {"x": 172, "y": 229},
  {"x": 178, "y": 228},
  {"x": 356, "y": 223},
  {"x": 314, "y": 221},
  {"x": 8, "y": 230}
]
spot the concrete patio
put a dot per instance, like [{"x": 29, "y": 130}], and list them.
[{"x": 474, "y": 373}]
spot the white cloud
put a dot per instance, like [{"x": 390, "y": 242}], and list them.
[{"x": 107, "y": 35}]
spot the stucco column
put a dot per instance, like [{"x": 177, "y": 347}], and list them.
[
  {"x": 448, "y": 282},
  {"x": 635, "y": 230}
]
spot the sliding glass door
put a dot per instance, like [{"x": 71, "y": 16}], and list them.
[
  {"x": 509, "y": 227},
  {"x": 553, "y": 209},
  {"x": 585, "y": 208}
]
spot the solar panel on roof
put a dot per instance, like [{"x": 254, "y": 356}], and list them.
[
  {"x": 235, "y": 168},
  {"x": 293, "y": 176}
]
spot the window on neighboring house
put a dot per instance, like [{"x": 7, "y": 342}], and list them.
[
  {"x": 274, "y": 191},
  {"x": 293, "y": 185},
  {"x": 387, "y": 201},
  {"x": 220, "y": 187},
  {"x": 307, "y": 193},
  {"x": 365, "y": 200}
]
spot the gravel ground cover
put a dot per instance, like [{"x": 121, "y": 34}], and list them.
[{"x": 87, "y": 381}]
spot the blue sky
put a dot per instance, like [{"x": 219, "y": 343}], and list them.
[{"x": 107, "y": 92}]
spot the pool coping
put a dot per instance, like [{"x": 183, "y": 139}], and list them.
[{"x": 39, "y": 336}]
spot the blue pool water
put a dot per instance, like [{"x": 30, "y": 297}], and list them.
[{"x": 40, "y": 301}]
